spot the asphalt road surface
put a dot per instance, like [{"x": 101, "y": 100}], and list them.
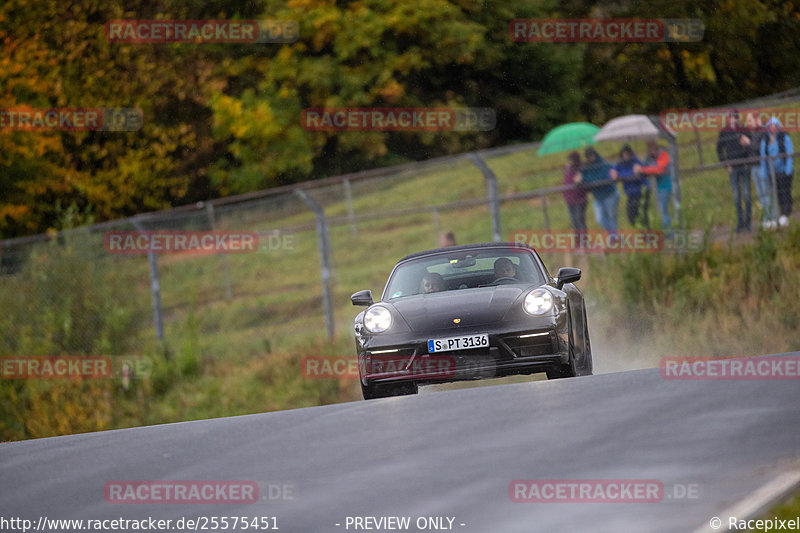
[{"x": 433, "y": 458}]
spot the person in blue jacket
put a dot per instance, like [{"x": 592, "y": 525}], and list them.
[
  {"x": 606, "y": 196},
  {"x": 632, "y": 184},
  {"x": 777, "y": 144},
  {"x": 763, "y": 183}
]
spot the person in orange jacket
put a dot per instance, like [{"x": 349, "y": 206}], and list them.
[{"x": 658, "y": 164}]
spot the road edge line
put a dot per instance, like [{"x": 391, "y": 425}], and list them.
[{"x": 757, "y": 502}]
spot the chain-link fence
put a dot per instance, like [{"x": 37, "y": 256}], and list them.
[{"x": 315, "y": 244}]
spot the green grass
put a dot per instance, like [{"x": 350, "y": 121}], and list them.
[{"x": 787, "y": 510}]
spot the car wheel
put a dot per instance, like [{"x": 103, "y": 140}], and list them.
[
  {"x": 568, "y": 370},
  {"x": 375, "y": 390}
]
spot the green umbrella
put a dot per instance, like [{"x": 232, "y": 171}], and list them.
[{"x": 568, "y": 137}]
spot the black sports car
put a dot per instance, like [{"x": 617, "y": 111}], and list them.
[{"x": 470, "y": 312}]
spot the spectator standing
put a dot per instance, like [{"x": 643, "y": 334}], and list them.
[
  {"x": 606, "y": 197},
  {"x": 447, "y": 239},
  {"x": 776, "y": 145},
  {"x": 658, "y": 164},
  {"x": 763, "y": 183},
  {"x": 733, "y": 144},
  {"x": 632, "y": 185},
  {"x": 575, "y": 197}
]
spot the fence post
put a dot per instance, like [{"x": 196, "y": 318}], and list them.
[
  {"x": 774, "y": 192},
  {"x": 436, "y": 226},
  {"x": 494, "y": 205},
  {"x": 699, "y": 145},
  {"x": 676, "y": 179},
  {"x": 348, "y": 195},
  {"x": 324, "y": 251},
  {"x": 155, "y": 286},
  {"x": 544, "y": 211},
  {"x": 212, "y": 220}
]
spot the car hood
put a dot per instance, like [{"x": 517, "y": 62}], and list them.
[{"x": 485, "y": 305}]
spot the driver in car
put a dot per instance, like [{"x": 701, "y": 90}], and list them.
[{"x": 504, "y": 268}]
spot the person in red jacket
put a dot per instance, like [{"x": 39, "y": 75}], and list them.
[
  {"x": 658, "y": 165},
  {"x": 575, "y": 197}
]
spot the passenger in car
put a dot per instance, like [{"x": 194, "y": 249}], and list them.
[{"x": 431, "y": 282}]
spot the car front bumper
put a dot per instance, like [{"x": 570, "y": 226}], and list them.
[{"x": 524, "y": 347}]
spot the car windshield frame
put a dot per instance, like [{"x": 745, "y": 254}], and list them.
[{"x": 406, "y": 277}]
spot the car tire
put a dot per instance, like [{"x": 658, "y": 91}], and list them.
[
  {"x": 588, "y": 362},
  {"x": 563, "y": 371},
  {"x": 375, "y": 390}
]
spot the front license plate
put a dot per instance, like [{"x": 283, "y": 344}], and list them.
[{"x": 458, "y": 343}]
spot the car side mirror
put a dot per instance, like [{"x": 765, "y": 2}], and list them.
[
  {"x": 567, "y": 275},
  {"x": 363, "y": 297}
]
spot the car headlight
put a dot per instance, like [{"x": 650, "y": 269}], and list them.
[
  {"x": 377, "y": 319},
  {"x": 538, "y": 302}
]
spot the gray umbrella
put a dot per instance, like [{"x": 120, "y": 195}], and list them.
[{"x": 632, "y": 127}]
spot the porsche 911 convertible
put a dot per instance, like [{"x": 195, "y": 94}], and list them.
[{"x": 470, "y": 312}]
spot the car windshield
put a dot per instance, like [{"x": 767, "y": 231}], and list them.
[{"x": 463, "y": 270}]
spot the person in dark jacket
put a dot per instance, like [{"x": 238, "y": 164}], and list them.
[
  {"x": 575, "y": 197},
  {"x": 606, "y": 196},
  {"x": 632, "y": 184},
  {"x": 734, "y": 144}
]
